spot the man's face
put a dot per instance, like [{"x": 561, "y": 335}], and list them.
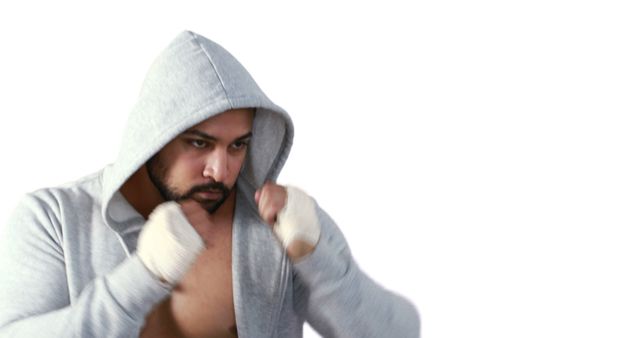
[{"x": 203, "y": 163}]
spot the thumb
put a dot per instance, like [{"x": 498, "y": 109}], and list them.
[{"x": 257, "y": 195}]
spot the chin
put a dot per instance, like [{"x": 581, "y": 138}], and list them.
[{"x": 211, "y": 206}]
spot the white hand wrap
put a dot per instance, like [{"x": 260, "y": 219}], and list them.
[
  {"x": 168, "y": 244},
  {"x": 298, "y": 219}
]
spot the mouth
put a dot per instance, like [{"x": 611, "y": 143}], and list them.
[{"x": 208, "y": 195}]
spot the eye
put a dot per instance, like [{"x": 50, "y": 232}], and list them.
[
  {"x": 198, "y": 143},
  {"x": 239, "y": 145}
]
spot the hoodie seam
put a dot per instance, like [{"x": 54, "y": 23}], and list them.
[{"x": 213, "y": 65}]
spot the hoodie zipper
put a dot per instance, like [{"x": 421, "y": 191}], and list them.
[{"x": 284, "y": 272}]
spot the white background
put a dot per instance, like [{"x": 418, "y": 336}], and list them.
[{"x": 482, "y": 157}]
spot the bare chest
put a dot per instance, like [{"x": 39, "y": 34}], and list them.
[{"x": 201, "y": 305}]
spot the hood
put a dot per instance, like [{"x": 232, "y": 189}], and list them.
[{"x": 192, "y": 80}]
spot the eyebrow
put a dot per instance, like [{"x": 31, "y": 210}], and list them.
[{"x": 208, "y": 137}]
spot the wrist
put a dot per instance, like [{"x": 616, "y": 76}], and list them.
[
  {"x": 299, "y": 249},
  {"x": 298, "y": 221}
]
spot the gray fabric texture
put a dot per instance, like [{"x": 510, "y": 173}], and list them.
[{"x": 67, "y": 254}]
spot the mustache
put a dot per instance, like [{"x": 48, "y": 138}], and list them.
[{"x": 213, "y": 186}]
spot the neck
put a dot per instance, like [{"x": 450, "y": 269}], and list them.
[{"x": 226, "y": 209}]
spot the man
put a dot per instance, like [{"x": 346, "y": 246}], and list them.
[{"x": 186, "y": 234}]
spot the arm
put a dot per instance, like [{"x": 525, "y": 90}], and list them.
[
  {"x": 339, "y": 300},
  {"x": 331, "y": 292},
  {"x": 34, "y": 297}
]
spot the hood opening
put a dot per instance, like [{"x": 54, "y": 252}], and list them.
[{"x": 190, "y": 81}]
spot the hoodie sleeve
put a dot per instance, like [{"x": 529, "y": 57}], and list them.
[
  {"x": 339, "y": 300},
  {"x": 34, "y": 292}
]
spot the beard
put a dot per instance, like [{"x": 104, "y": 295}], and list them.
[{"x": 157, "y": 171}]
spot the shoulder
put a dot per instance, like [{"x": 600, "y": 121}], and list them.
[{"x": 45, "y": 207}]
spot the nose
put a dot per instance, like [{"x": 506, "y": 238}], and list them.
[{"x": 216, "y": 166}]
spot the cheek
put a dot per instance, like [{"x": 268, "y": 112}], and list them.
[
  {"x": 235, "y": 164},
  {"x": 184, "y": 172}
]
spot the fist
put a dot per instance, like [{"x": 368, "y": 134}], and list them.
[
  {"x": 271, "y": 198},
  {"x": 168, "y": 244},
  {"x": 291, "y": 213}
]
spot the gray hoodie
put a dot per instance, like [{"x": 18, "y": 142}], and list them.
[{"x": 67, "y": 262}]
